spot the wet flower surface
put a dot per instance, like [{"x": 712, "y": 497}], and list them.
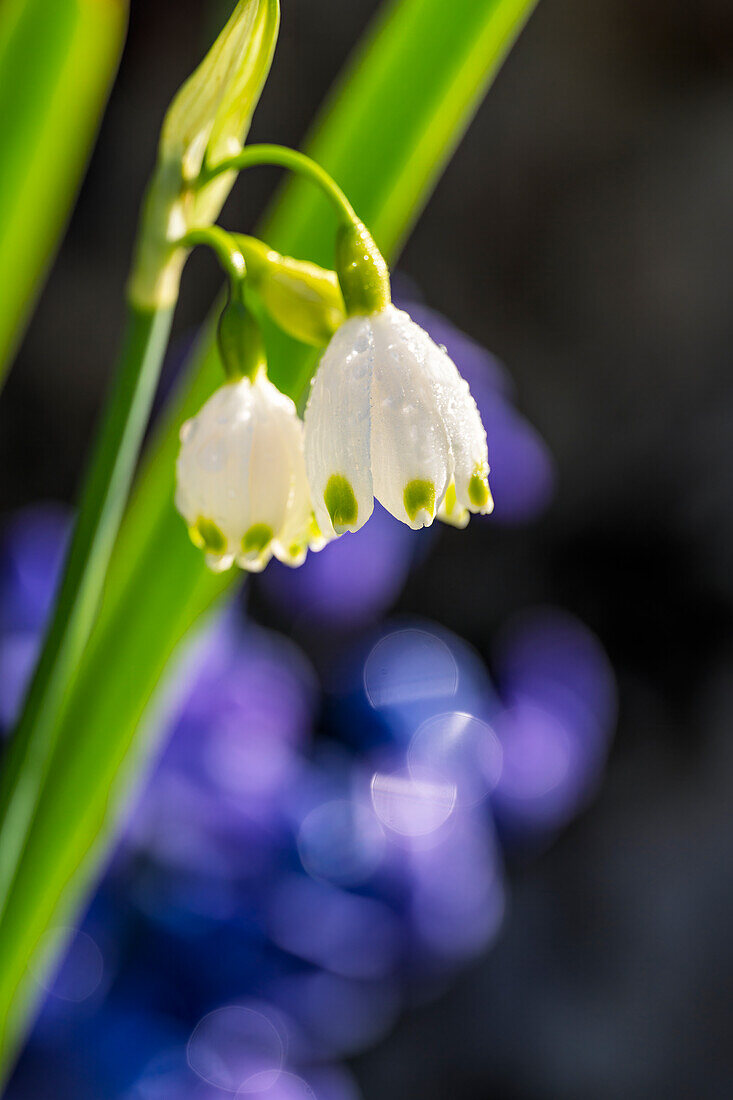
[
  {"x": 241, "y": 478},
  {"x": 390, "y": 417}
]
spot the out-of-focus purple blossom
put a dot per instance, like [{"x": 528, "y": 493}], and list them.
[
  {"x": 31, "y": 554},
  {"x": 331, "y": 876},
  {"x": 397, "y": 677},
  {"x": 356, "y": 937},
  {"x": 457, "y": 891},
  {"x": 236, "y": 743},
  {"x": 18, "y": 653},
  {"x": 335, "y": 1017},
  {"x": 352, "y": 580},
  {"x": 559, "y": 716}
]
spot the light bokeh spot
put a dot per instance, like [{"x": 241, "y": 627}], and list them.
[
  {"x": 412, "y": 806},
  {"x": 460, "y": 750},
  {"x": 407, "y": 666},
  {"x": 69, "y": 964},
  {"x": 237, "y": 1048}
]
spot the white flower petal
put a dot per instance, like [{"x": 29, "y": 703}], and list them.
[
  {"x": 451, "y": 511},
  {"x": 213, "y": 464},
  {"x": 298, "y": 533},
  {"x": 411, "y": 454},
  {"x": 241, "y": 476},
  {"x": 270, "y": 467},
  {"x": 468, "y": 441},
  {"x": 337, "y": 430}
]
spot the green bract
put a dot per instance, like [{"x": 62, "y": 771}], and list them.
[{"x": 207, "y": 121}]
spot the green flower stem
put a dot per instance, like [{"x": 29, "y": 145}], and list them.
[
  {"x": 224, "y": 245},
  {"x": 295, "y": 161},
  {"x": 104, "y": 495},
  {"x": 362, "y": 271}
]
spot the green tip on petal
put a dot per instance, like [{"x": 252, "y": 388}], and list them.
[
  {"x": 314, "y": 532},
  {"x": 207, "y": 536},
  {"x": 419, "y": 496},
  {"x": 478, "y": 489},
  {"x": 449, "y": 501},
  {"x": 341, "y": 503},
  {"x": 257, "y": 539}
]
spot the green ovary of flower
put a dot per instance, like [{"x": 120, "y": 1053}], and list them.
[
  {"x": 419, "y": 496},
  {"x": 257, "y": 539},
  {"x": 341, "y": 503},
  {"x": 207, "y": 536}
]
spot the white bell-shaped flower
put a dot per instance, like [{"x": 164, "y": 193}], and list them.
[
  {"x": 241, "y": 483},
  {"x": 390, "y": 417}
]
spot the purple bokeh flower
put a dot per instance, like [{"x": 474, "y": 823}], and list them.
[{"x": 333, "y": 875}]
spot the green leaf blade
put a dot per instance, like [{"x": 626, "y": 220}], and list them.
[{"x": 57, "y": 62}]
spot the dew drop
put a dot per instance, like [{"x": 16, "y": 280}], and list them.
[{"x": 212, "y": 456}]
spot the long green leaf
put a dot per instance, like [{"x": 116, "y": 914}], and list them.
[
  {"x": 249, "y": 37},
  {"x": 57, "y": 61},
  {"x": 401, "y": 108}
]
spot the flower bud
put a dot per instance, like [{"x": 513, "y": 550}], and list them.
[
  {"x": 304, "y": 299},
  {"x": 207, "y": 121}
]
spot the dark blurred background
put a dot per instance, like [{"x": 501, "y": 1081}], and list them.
[{"x": 584, "y": 233}]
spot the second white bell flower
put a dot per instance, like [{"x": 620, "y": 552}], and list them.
[
  {"x": 390, "y": 417},
  {"x": 241, "y": 483}
]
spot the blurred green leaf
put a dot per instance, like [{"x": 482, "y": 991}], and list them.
[
  {"x": 57, "y": 61},
  {"x": 404, "y": 103},
  {"x": 25, "y": 764}
]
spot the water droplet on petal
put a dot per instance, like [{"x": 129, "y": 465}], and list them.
[{"x": 212, "y": 456}]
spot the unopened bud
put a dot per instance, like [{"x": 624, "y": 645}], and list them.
[{"x": 304, "y": 299}]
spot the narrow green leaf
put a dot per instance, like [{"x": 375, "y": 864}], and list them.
[
  {"x": 57, "y": 62},
  {"x": 100, "y": 511},
  {"x": 26, "y": 763},
  {"x": 401, "y": 108}
]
